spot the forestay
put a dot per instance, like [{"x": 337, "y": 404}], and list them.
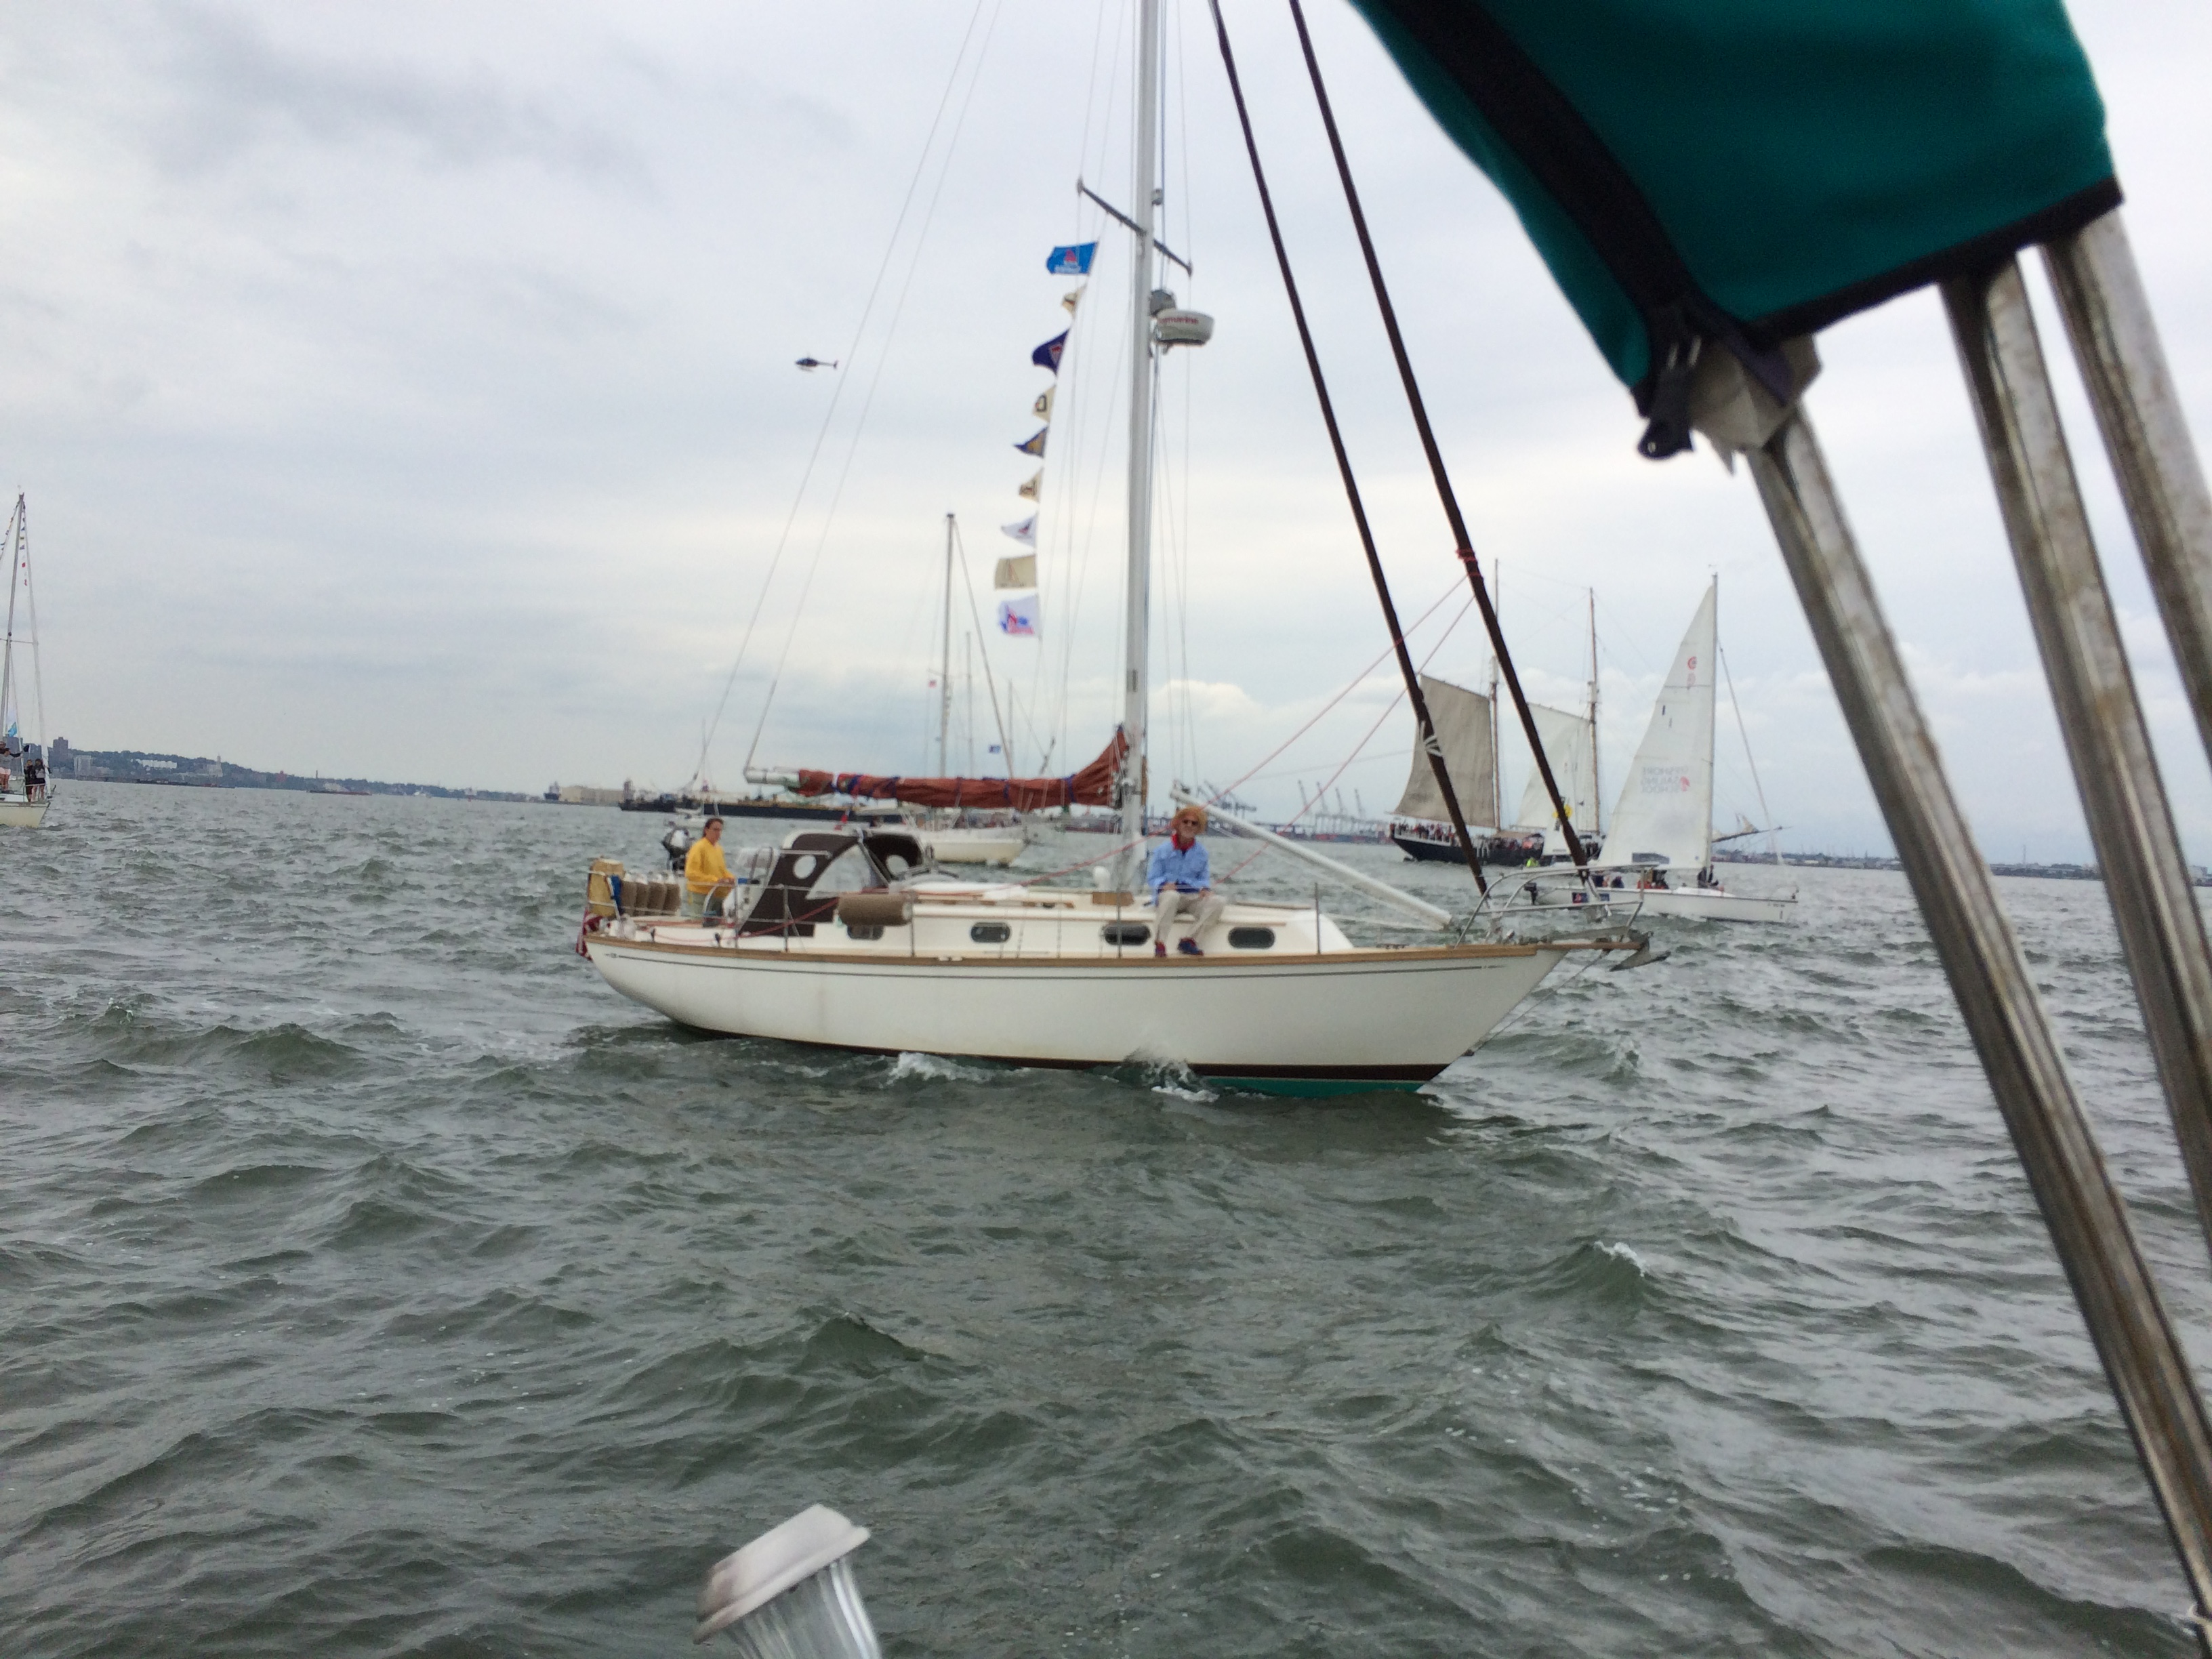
[
  {"x": 1462, "y": 718},
  {"x": 1665, "y": 815}
]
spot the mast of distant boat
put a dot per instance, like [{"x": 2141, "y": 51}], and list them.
[
  {"x": 1497, "y": 788},
  {"x": 15, "y": 550},
  {"x": 1597, "y": 789},
  {"x": 1136, "y": 640},
  {"x": 944, "y": 663}
]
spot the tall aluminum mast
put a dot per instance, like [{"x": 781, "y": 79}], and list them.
[
  {"x": 1136, "y": 645},
  {"x": 944, "y": 665},
  {"x": 1597, "y": 793},
  {"x": 19, "y": 534}
]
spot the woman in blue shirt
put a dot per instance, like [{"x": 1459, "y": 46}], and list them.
[{"x": 1182, "y": 882}]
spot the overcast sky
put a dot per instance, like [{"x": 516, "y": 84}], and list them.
[{"x": 408, "y": 391}]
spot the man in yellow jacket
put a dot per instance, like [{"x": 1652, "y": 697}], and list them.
[{"x": 706, "y": 878}]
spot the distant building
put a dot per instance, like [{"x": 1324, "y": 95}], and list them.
[
  {"x": 59, "y": 764},
  {"x": 577, "y": 794}
]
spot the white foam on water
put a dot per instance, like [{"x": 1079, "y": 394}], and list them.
[{"x": 1625, "y": 1253}]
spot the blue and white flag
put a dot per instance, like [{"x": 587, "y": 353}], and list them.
[
  {"x": 1017, "y": 615},
  {"x": 1073, "y": 261},
  {"x": 1025, "y": 532},
  {"x": 1047, "y": 354}
]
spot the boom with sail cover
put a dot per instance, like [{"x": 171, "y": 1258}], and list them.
[
  {"x": 1665, "y": 815},
  {"x": 1462, "y": 718},
  {"x": 1092, "y": 787}
]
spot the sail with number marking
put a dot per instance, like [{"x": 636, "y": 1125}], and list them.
[{"x": 1665, "y": 817}]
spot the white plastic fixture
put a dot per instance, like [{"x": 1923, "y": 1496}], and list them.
[
  {"x": 790, "y": 1594},
  {"x": 1175, "y": 328}
]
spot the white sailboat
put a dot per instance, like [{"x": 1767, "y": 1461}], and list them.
[
  {"x": 26, "y": 789},
  {"x": 1663, "y": 827},
  {"x": 851, "y": 942}
]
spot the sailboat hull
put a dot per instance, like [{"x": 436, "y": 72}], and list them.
[
  {"x": 1361, "y": 1020},
  {"x": 1713, "y": 904},
  {"x": 17, "y": 813}
]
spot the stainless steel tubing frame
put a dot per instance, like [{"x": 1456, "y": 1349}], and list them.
[
  {"x": 2161, "y": 931},
  {"x": 2088, "y": 1219},
  {"x": 2116, "y": 343}
]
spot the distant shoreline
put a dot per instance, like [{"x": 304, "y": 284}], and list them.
[{"x": 1873, "y": 862}]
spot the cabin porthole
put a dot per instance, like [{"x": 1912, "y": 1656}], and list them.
[
  {"x": 1251, "y": 938},
  {"x": 864, "y": 932},
  {"x": 1125, "y": 933},
  {"x": 990, "y": 932}
]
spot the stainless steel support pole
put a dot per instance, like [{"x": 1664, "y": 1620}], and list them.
[
  {"x": 2088, "y": 1219},
  {"x": 2161, "y": 931},
  {"x": 2116, "y": 342}
]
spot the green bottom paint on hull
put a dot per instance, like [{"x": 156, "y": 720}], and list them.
[{"x": 1316, "y": 1088}]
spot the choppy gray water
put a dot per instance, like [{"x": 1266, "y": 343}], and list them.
[{"x": 372, "y": 1281}]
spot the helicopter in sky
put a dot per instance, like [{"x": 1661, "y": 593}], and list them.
[{"x": 810, "y": 364}]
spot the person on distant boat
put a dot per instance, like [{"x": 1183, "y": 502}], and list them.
[
  {"x": 1181, "y": 880},
  {"x": 707, "y": 881}
]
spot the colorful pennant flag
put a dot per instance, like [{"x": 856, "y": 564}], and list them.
[
  {"x": 1035, "y": 446},
  {"x": 1042, "y": 407},
  {"x": 1034, "y": 488},
  {"x": 1018, "y": 616},
  {"x": 1072, "y": 261},
  {"x": 1020, "y": 571},
  {"x": 1025, "y": 532},
  {"x": 1068, "y": 301},
  {"x": 1047, "y": 354}
]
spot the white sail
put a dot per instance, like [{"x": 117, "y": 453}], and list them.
[
  {"x": 1665, "y": 817},
  {"x": 1463, "y": 723},
  {"x": 1573, "y": 756}
]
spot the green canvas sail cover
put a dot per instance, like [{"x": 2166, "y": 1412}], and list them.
[{"x": 1734, "y": 173}]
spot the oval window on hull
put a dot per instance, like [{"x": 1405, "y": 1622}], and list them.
[
  {"x": 990, "y": 932},
  {"x": 1251, "y": 938},
  {"x": 1125, "y": 933}
]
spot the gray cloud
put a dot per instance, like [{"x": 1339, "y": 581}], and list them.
[{"x": 231, "y": 90}]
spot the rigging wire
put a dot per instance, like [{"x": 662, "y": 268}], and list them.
[
  {"x": 1351, "y": 685},
  {"x": 1427, "y": 726},
  {"x": 975, "y": 617},
  {"x": 821, "y": 433},
  {"x": 1344, "y": 765},
  {"x": 1773, "y": 836},
  {"x": 1447, "y": 497},
  {"x": 859, "y": 427}
]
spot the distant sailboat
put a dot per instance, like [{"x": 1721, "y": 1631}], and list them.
[
  {"x": 1467, "y": 730},
  {"x": 1662, "y": 826},
  {"x": 26, "y": 790},
  {"x": 1571, "y": 743}
]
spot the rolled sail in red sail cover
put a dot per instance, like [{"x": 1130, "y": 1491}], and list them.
[{"x": 1092, "y": 787}]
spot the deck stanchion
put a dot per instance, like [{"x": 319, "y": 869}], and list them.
[
  {"x": 2088, "y": 1219},
  {"x": 2116, "y": 342},
  {"x": 2122, "y": 796}
]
